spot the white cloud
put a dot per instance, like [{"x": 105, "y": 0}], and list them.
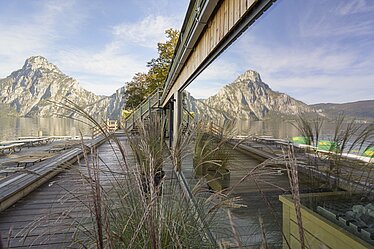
[
  {"x": 292, "y": 59},
  {"x": 219, "y": 73},
  {"x": 341, "y": 83},
  {"x": 16, "y": 47},
  {"x": 349, "y": 18},
  {"x": 102, "y": 62},
  {"x": 36, "y": 33},
  {"x": 101, "y": 72},
  {"x": 99, "y": 84},
  {"x": 120, "y": 58},
  {"x": 147, "y": 32},
  {"x": 354, "y": 7}
]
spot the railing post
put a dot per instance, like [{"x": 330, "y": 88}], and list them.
[
  {"x": 141, "y": 113},
  {"x": 133, "y": 121},
  {"x": 149, "y": 106}
]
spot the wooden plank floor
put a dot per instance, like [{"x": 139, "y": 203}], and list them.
[
  {"x": 58, "y": 213},
  {"x": 48, "y": 217},
  {"x": 260, "y": 199}
]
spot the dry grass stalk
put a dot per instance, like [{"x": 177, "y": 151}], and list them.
[
  {"x": 293, "y": 176},
  {"x": 234, "y": 231},
  {"x": 264, "y": 244}
]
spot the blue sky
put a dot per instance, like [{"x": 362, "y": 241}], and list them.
[
  {"x": 314, "y": 50},
  {"x": 100, "y": 43}
]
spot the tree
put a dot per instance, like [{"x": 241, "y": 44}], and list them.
[
  {"x": 143, "y": 84},
  {"x": 135, "y": 91}
]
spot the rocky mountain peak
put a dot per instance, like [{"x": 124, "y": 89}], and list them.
[
  {"x": 250, "y": 75},
  {"x": 249, "y": 79},
  {"x": 29, "y": 90},
  {"x": 39, "y": 62}
]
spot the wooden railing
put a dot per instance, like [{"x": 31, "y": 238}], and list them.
[
  {"x": 108, "y": 126},
  {"x": 212, "y": 128},
  {"x": 112, "y": 125},
  {"x": 142, "y": 110}
]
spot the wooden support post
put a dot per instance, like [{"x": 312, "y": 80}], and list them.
[
  {"x": 171, "y": 124},
  {"x": 177, "y": 115}
]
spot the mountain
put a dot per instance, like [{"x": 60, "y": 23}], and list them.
[
  {"x": 34, "y": 89},
  {"x": 247, "y": 97},
  {"x": 359, "y": 109},
  {"x": 115, "y": 103}
]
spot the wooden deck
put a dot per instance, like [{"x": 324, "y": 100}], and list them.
[
  {"x": 48, "y": 217},
  {"x": 58, "y": 214},
  {"x": 351, "y": 173},
  {"x": 260, "y": 200}
]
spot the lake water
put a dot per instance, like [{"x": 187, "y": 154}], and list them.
[
  {"x": 284, "y": 129},
  {"x": 275, "y": 128},
  {"x": 13, "y": 127}
]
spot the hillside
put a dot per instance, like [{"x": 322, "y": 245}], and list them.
[{"x": 359, "y": 109}]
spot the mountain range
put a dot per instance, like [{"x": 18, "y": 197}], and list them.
[
  {"x": 39, "y": 86},
  {"x": 360, "y": 109}
]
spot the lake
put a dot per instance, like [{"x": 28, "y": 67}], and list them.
[
  {"x": 276, "y": 128},
  {"x": 13, "y": 127},
  {"x": 284, "y": 129}
]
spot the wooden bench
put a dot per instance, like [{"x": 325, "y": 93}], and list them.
[
  {"x": 11, "y": 147},
  {"x": 29, "y": 141}
]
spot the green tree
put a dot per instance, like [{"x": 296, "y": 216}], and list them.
[
  {"x": 135, "y": 91},
  {"x": 143, "y": 84}
]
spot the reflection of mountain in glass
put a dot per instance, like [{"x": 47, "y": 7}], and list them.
[{"x": 247, "y": 97}]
